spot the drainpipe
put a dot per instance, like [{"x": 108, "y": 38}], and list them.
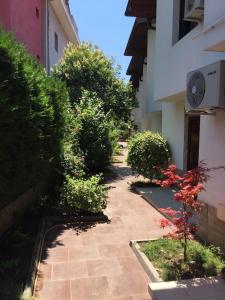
[{"x": 46, "y": 36}]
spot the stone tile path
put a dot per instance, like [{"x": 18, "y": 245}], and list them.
[{"x": 94, "y": 261}]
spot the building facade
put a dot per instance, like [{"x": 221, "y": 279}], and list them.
[
  {"x": 26, "y": 22},
  {"x": 61, "y": 29},
  {"x": 45, "y": 27},
  {"x": 179, "y": 47}
]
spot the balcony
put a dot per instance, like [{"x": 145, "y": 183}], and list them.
[
  {"x": 137, "y": 44},
  {"x": 141, "y": 9}
]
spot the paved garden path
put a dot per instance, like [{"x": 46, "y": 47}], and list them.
[{"x": 94, "y": 261}]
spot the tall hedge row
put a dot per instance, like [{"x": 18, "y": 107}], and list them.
[{"x": 34, "y": 120}]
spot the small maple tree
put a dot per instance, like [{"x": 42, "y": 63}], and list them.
[{"x": 188, "y": 187}]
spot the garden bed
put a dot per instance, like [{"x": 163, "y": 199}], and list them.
[
  {"x": 167, "y": 257},
  {"x": 162, "y": 261},
  {"x": 15, "y": 257}
]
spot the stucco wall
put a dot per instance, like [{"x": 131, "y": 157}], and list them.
[
  {"x": 139, "y": 113},
  {"x": 152, "y": 122},
  {"x": 214, "y": 10},
  {"x": 212, "y": 151},
  {"x": 5, "y": 14},
  {"x": 148, "y": 116},
  {"x": 55, "y": 27},
  {"x": 156, "y": 122},
  {"x": 151, "y": 105},
  {"x": 173, "y": 130},
  {"x": 174, "y": 61},
  {"x": 26, "y": 22}
]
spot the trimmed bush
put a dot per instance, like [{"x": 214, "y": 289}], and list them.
[
  {"x": 83, "y": 195},
  {"x": 34, "y": 121},
  {"x": 147, "y": 153}
]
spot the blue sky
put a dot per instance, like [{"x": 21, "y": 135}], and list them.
[{"x": 103, "y": 23}]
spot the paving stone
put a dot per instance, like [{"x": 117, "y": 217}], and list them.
[
  {"x": 68, "y": 271},
  {"x": 91, "y": 262}
]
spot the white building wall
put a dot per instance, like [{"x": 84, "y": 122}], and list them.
[
  {"x": 140, "y": 112},
  {"x": 214, "y": 10},
  {"x": 137, "y": 112},
  {"x": 151, "y": 105},
  {"x": 173, "y": 130},
  {"x": 148, "y": 116},
  {"x": 175, "y": 59},
  {"x": 56, "y": 27},
  {"x": 172, "y": 60},
  {"x": 212, "y": 151}
]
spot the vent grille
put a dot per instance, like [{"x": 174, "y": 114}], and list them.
[{"x": 196, "y": 89}]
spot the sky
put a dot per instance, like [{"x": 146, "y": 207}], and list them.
[{"x": 103, "y": 23}]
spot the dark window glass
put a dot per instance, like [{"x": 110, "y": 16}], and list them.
[
  {"x": 56, "y": 42},
  {"x": 185, "y": 26},
  {"x": 37, "y": 12}
]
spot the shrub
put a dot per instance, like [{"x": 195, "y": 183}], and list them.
[
  {"x": 72, "y": 162},
  {"x": 94, "y": 134},
  {"x": 34, "y": 120},
  {"x": 83, "y": 194},
  {"x": 147, "y": 153}
]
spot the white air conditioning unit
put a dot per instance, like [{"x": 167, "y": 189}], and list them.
[
  {"x": 206, "y": 88},
  {"x": 194, "y": 10}
]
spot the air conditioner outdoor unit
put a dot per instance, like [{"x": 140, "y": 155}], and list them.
[
  {"x": 206, "y": 88},
  {"x": 194, "y": 10}
]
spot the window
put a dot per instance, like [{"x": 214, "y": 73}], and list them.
[
  {"x": 56, "y": 42},
  {"x": 37, "y": 12},
  {"x": 184, "y": 26}
]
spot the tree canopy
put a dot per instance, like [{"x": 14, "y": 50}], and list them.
[{"x": 87, "y": 68}]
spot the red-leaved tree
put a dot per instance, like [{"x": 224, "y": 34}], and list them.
[{"x": 188, "y": 187}]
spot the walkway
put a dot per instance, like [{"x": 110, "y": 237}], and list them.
[{"x": 94, "y": 261}]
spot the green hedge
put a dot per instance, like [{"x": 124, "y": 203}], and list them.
[
  {"x": 148, "y": 151},
  {"x": 34, "y": 120}
]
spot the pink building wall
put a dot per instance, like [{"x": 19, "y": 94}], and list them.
[
  {"x": 5, "y": 14},
  {"x": 26, "y": 20}
]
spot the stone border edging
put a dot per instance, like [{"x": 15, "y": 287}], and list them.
[
  {"x": 29, "y": 287},
  {"x": 45, "y": 225},
  {"x": 144, "y": 261},
  {"x": 157, "y": 283}
]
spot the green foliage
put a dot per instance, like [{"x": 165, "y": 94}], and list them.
[
  {"x": 114, "y": 135},
  {"x": 83, "y": 195},
  {"x": 34, "y": 120},
  {"x": 125, "y": 129},
  {"x": 166, "y": 256},
  {"x": 87, "y": 68},
  {"x": 94, "y": 134},
  {"x": 148, "y": 151},
  {"x": 72, "y": 162}
]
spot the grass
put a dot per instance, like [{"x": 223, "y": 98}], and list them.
[
  {"x": 15, "y": 257},
  {"x": 167, "y": 257}
]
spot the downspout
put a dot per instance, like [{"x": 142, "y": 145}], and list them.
[{"x": 47, "y": 37}]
